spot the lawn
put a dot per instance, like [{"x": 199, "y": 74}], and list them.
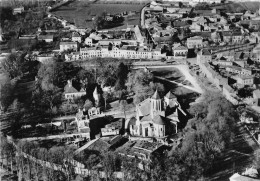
[{"x": 78, "y": 12}]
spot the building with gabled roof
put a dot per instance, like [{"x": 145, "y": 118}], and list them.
[
  {"x": 68, "y": 46},
  {"x": 46, "y": 38},
  {"x": 204, "y": 56},
  {"x": 71, "y": 93},
  {"x": 180, "y": 52},
  {"x": 194, "y": 42},
  {"x": 156, "y": 117},
  {"x": 76, "y": 37}
]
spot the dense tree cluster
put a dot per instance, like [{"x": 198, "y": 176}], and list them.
[
  {"x": 206, "y": 136},
  {"x": 142, "y": 84},
  {"x": 101, "y": 21}
]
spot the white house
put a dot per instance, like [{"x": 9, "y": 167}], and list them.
[
  {"x": 76, "y": 37},
  {"x": 180, "y": 52},
  {"x": 204, "y": 56},
  {"x": 195, "y": 41},
  {"x": 82, "y": 122},
  {"x": 88, "y": 41},
  {"x": 71, "y": 93},
  {"x": 68, "y": 46}
]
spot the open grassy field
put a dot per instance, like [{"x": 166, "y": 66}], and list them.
[
  {"x": 80, "y": 11},
  {"x": 238, "y": 7}
]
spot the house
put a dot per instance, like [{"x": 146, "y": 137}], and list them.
[
  {"x": 94, "y": 111},
  {"x": 227, "y": 36},
  {"x": 194, "y": 42},
  {"x": 246, "y": 71},
  {"x": 110, "y": 130},
  {"x": 68, "y": 46},
  {"x": 76, "y": 37},
  {"x": 224, "y": 63},
  {"x": 73, "y": 56},
  {"x": 204, "y": 56},
  {"x": 46, "y": 38},
  {"x": 82, "y": 121},
  {"x": 256, "y": 96},
  {"x": 18, "y": 10},
  {"x": 89, "y": 41},
  {"x": 255, "y": 24},
  {"x": 237, "y": 37},
  {"x": 244, "y": 80},
  {"x": 156, "y": 117},
  {"x": 71, "y": 93},
  {"x": 180, "y": 52},
  {"x": 241, "y": 63},
  {"x": 106, "y": 42},
  {"x": 45, "y": 58}
]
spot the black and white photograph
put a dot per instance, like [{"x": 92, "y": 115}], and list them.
[{"x": 130, "y": 90}]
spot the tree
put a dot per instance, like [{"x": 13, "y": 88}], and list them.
[
  {"x": 99, "y": 21},
  {"x": 141, "y": 83},
  {"x": 13, "y": 65},
  {"x": 121, "y": 74},
  {"x": 207, "y": 134},
  {"x": 6, "y": 93},
  {"x": 111, "y": 163},
  {"x": 88, "y": 104},
  {"x": 7, "y": 152}
]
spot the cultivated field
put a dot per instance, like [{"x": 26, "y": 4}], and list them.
[
  {"x": 79, "y": 12},
  {"x": 240, "y": 7}
]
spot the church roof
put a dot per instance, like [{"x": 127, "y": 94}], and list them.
[
  {"x": 159, "y": 120},
  {"x": 144, "y": 108},
  {"x": 147, "y": 118},
  {"x": 156, "y": 95},
  {"x": 170, "y": 95},
  {"x": 132, "y": 121}
]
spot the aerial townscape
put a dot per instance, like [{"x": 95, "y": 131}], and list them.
[{"x": 131, "y": 90}]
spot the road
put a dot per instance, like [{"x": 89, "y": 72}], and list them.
[{"x": 184, "y": 69}]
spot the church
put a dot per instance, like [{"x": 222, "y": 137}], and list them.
[{"x": 156, "y": 117}]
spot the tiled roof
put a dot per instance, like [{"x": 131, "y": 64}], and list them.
[
  {"x": 205, "y": 52},
  {"x": 156, "y": 96},
  {"x": 159, "y": 120},
  {"x": 43, "y": 37},
  {"x": 170, "y": 95},
  {"x": 146, "y": 118},
  {"x": 68, "y": 43},
  {"x": 132, "y": 121},
  {"x": 70, "y": 89},
  {"x": 181, "y": 48},
  {"x": 144, "y": 107}
]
